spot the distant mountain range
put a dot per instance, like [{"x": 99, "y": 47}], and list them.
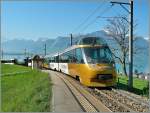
[
  {"x": 19, "y": 45},
  {"x": 60, "y": 43}
]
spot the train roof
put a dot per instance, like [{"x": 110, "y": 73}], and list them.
[{"x": 90, "y": 40}]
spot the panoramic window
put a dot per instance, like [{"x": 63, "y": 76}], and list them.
[
  {"x": 98, "y": 55},
  {"x": 79, "y": 57},
  {"x": 52, "y": 59},
  {"x": 64, "y": 58}
]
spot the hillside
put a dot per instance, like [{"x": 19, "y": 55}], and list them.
[{"x": 60, "y": 43}]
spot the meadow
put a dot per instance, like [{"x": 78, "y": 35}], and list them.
[
  {"x": 26, "y": 92},
  {"x": 140, "y": 86}
]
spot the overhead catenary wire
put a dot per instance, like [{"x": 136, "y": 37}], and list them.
[
  {"x": 89, "y": 16},
  {"x": 103, "y": 12},
  {"x": 114, "y": 17}
]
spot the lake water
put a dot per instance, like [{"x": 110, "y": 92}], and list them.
[{"x": 141, "y": 66}]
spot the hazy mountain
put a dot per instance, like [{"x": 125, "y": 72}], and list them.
[
  {"x": 60, "y": 43},
  {"x": 19, "y": 46},
  {"x": 141, "y": 58},
  {"x": 16, "y": 45},
  {"x": 53, "y": 45}
]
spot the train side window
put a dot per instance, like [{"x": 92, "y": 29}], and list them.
[
  {"x": 52, "y": 59},
  {"x": 74, "y": 56},
  {"x": 63, "y": 58},
  {"x": 60, "y": 59},
  {"x": 66, "y": 58},
  {"x": 69, "y": 55},
  {"x": 57, "y": 59},
  {"x": 49, "y": 60},
  {"x": 79, "y": 56},
  {"x": 46, "y": 61}
]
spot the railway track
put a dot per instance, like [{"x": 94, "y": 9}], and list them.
[
  {"x": 133, "y": 97},
  {"x": 87, "y": 101},
  {"x": 120, "y": 102},
  {"x": 104, "y": 100}
]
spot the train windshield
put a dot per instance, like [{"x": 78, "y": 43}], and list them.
[{"x": 98, "y": 55}]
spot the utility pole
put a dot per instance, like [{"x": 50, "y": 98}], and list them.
[
  {"x": 71, "y": 39},
  {"x": 130, "y": 82},
  {"x": 45, "y": 49}
]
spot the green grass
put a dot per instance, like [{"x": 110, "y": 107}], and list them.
[
  {"x": 13, "y": 68},
  {"x": 139, "y": 85},
  {"x": 28, "y": 92}
]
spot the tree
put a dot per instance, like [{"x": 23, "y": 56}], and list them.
[{"x": 118, "y": 29}]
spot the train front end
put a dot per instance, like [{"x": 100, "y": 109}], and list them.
[{"x": 99, "y": 66}]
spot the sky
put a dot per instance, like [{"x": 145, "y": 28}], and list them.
[{"x": 50, "y": 19}]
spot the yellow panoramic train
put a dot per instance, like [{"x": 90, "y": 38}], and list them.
[{"x": 90, "y": 61}]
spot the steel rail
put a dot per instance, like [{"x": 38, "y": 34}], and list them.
[
  {"x": 89, "y": 101},
  {"x": 140, "y": 101},
  {"x": 84, "y": 103},
  {"x": 120, "y": 104}
]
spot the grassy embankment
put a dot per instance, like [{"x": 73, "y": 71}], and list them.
[
  {"x": 140, "y": 86},
  {"x": 26, "y": 92}
]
